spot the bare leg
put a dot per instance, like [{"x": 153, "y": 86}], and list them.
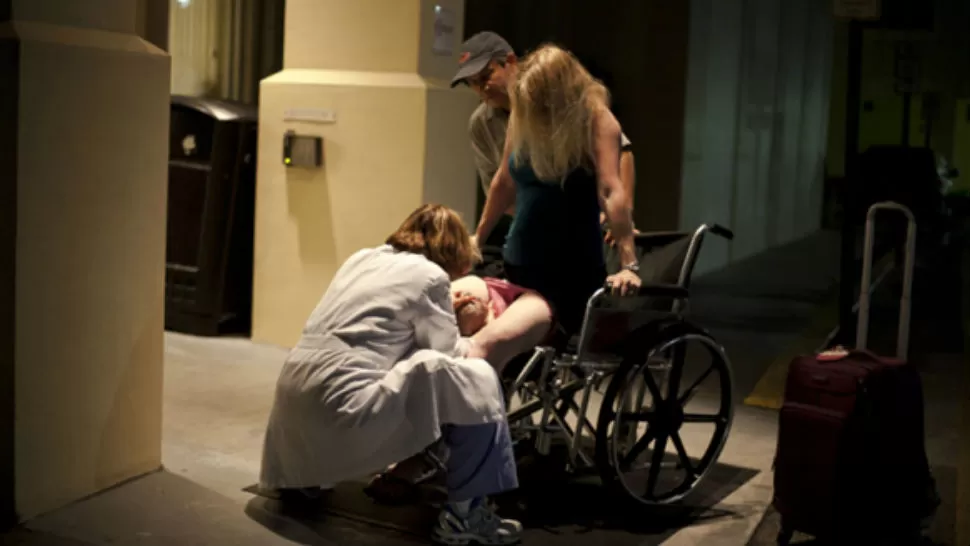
[{"x": 520, "y": 328}]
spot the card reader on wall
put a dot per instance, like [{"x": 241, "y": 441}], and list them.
[{"x": 302, "y": 150}]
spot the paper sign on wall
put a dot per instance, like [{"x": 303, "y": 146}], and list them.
[{"x": 444, "y": 31}]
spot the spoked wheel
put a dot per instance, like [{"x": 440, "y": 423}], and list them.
[{"x": 647, "y": 411}]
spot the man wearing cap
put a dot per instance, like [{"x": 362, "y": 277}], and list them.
[{"x": 487, "y": 63}]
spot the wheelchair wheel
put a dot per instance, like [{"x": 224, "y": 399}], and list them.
[{"x": 645, "y": 410}]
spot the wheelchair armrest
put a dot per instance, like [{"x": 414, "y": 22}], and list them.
[{"x": 653, "y": 290}]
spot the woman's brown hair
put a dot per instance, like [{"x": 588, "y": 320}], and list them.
[{"x": 437, "y": 233}]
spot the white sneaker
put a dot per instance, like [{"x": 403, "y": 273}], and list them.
[{"x": 480, "y": 526}]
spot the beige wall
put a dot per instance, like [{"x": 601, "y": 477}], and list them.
[
  {"x": 90, "y": 245},
  {"x": 399, "y": 140}
]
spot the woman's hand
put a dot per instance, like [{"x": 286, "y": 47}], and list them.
[{"x": 624, "y": 283}]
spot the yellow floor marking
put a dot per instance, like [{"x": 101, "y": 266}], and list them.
[{"x": 770, "y": 391}]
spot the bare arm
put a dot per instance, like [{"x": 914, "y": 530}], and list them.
[
  {"x": 482, "y": 153},
  {"x": 500, "y": 197},
  {"x": 615, "y": 198},
  {"x": 628, "y": 173}
]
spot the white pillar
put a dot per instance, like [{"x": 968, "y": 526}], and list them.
[
  {"x": 84, "y": 112},
  {"x": 398, "y": 139}
]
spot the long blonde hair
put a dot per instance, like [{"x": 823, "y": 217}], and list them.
[{"x": 554, "y": 101}]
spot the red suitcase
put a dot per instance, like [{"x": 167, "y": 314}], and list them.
[{"x": 851, "y": 462}]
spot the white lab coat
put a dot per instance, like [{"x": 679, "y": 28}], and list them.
[{"x": 375, "y": 375}]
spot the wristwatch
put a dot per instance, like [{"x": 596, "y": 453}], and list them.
[{"x": 633, "y": 266}]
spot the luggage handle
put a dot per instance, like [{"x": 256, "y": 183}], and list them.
[
  {"x": 862, "y": 328},
  {"x": 841, "y": 353}
]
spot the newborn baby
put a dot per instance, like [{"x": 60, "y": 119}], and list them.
[
  {"x": 478, "y": 301},
  {"x": 472, "y": 313}
]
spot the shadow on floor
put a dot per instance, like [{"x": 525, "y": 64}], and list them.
[
  {"x": 555, "y": 511},
  {"x": 159, "y": 509}
]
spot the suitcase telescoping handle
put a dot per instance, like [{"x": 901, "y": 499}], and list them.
[{"x": 902, "y": 343}]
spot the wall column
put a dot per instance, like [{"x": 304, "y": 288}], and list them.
[
  {"x": 84, "y": 109},
  {"x": 396, "y": 138}
]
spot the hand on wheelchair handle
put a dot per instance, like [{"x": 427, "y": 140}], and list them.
[{"x": 624, "y": 283}]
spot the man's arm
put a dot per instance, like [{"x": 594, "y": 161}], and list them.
[
  {"x": 482, "y": 151},
  {"x": 499, "y": 198}
]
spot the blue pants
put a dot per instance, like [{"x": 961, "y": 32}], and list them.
[{"x": 480, "y": 460}]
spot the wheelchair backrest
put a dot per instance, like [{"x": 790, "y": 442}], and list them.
[{"x": 663, "y": 259}]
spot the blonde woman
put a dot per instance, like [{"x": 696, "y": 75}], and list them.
[
  {"x": 561, "y": 168},
  {"x": 487, "y": 64},
  {"x": 380, "y": 373}
]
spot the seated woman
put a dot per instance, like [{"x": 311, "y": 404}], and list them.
[{"x": 379, "y": 374}]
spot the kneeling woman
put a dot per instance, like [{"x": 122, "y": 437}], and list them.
[{"x": 380, "y": 374}]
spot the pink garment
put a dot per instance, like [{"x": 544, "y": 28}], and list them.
[{"x": 502, "y": 293}]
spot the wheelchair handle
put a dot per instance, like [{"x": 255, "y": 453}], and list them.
[{"x": 721, "y": 231}]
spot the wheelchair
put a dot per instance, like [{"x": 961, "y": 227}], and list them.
[{"x": 637, "y": 347}]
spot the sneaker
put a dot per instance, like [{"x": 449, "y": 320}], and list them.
[{"x": 479, "y": 526}]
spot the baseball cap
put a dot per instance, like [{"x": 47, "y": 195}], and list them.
[{"x": 476, "y": 52}]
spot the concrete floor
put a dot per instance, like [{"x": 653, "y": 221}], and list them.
[
  {"x": 218, "y": 393},
  {"x": 217, "y": 397}
]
